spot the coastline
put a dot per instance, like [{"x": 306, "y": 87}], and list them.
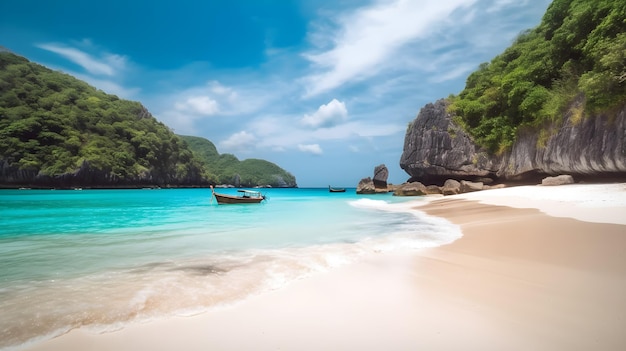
[{"x": 518, "y": 279}]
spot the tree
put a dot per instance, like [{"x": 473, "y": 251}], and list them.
[{"x": 579, "y": 48}]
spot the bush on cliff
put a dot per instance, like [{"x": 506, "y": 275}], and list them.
[{"x": 579, "y": 48}]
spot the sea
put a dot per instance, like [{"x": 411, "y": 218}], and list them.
[{"x": 104, "y": 259}]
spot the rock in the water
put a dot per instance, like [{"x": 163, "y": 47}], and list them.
[
  {"x": 558, "y": 180},
  {"x": 366, "y": 186},
  {"x": 377, "y": 185},
  {"x": 380, "y": 176}
]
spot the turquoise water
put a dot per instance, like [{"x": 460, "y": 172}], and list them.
[{"x": 101, "y": 259}]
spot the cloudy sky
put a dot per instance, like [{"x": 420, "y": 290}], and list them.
[{"x": 323, "y": 88}]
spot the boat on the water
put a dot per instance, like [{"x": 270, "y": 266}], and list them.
[
  {"x": 244, "y": 197},
  {"x": 336, "y": 190}
]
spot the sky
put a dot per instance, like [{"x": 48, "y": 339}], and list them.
[{"x": 325, "y": 89}]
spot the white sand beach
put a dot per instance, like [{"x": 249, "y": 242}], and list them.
[{"x": 538, "y": 268}]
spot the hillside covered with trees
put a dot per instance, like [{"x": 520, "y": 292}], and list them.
[
  {"x": 57, "y": 131},
  {"x": 227, "y": 169},
  {"x": 578, "y": 52}
]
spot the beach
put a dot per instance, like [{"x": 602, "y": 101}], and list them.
[{"x": 537, "y": 268}]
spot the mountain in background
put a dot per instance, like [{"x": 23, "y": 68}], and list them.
[
  {"x": 57, "y": 131},
  {"x": 227, "y": 169}
]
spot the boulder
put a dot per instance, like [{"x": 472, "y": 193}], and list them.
[
  {"x": 366, "y": 186},
  {"x": 433, "y": 190},
  {"x": 558, "y": 180},
  {"x": 497, "y": 186},
  {"x": 467, "y": 187},
  {"x": 377, "y": 185},
  {"x": 451, "y": 187},
  {"x": 411, "y": 189},
  {"x": 381, "y": 173},
  {"x": 392, "y": 187}
]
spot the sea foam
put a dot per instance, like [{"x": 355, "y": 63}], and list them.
[{"x": 151, "y": 255}]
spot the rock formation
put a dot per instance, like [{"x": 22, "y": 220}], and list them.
[
  {"x": 411, "y": 189},
  {"x": 377, "y": 185},
  {"x": 558, "y": 180},
  {"x": 416, "y": 189},
  {"x": 451, "y": 187},
  {"x": 366, "y": 186},
  {"x": 380, "y": 177},
  {"x": 437, "y": 149},
  {"x": 87, "y": 176}
]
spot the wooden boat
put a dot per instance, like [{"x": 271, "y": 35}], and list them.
[
  {"x": 336, "y": 190},
  {"x": 245, "y": 197}
]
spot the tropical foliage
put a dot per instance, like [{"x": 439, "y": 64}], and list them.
[
  {"x": 578, "y": 50},
  {"x": 52, "y": 125},
  {"x": 227, "y": 169}
]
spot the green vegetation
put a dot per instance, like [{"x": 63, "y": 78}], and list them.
[
  {"x": 227, "y": 169},
  {"x": 58, "y": 130},
  {"x": 578, "y": 50}
]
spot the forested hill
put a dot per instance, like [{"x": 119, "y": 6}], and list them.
[
  {"x": 57, "y": 131},
  {"x": 227, "y": 169},
  {"x": 578, "y": 50},
  {"x": 554, "y": 102}
]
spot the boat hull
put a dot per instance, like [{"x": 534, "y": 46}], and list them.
[{"x": 228, "y": 199}]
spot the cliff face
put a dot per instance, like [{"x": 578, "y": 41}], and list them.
[
  {"x": 86, "y": 176},
  {"x": 436, "y": 149}
]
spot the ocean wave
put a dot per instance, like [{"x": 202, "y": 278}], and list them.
[{"x": 135, "y": 275}]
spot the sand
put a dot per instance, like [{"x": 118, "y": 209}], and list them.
[{"x": 538, "y": 268}]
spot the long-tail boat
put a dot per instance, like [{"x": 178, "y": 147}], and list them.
[{"x": 245, "y": 197}]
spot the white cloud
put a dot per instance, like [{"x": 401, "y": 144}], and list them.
[
  {"x": 278, "y": 132},
  {"x": 231, "y": 105},
  {"x": 240, "y": 141},
  {"x": 368, "y": 38},
  {"x": 108, "y": 65},
  {"x": 498, "y": 5},
  {"x": 103, "y": 70},
  {"x": 327, "y": 115},
  {"x": 195, "y": 104},
  {"x": 314, "y": 149},
  {"x": 218, "y": 89},
  {"x": 199, "y": 105},
  {"x": 454, "y": 73},
  {"x": 108, "y": 86}
]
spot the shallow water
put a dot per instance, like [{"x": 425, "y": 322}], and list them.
[{"x": 104, "y": 258}]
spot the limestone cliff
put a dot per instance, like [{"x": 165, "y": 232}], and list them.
[{"x": 436, "y": 149}]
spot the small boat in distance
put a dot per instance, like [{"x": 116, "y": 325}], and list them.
[
  {"x": 246, "y": 197},
  {"x": 336, "y": 190}
]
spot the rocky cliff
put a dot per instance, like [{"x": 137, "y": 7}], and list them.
[
  {"x": 436, "y": 149},
  {"x": 89, "y": 177}
]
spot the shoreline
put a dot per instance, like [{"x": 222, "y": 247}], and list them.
[{"x": 518, "y": 279}]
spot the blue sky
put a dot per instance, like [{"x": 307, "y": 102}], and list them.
[{"x": 325, "y": 89}]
